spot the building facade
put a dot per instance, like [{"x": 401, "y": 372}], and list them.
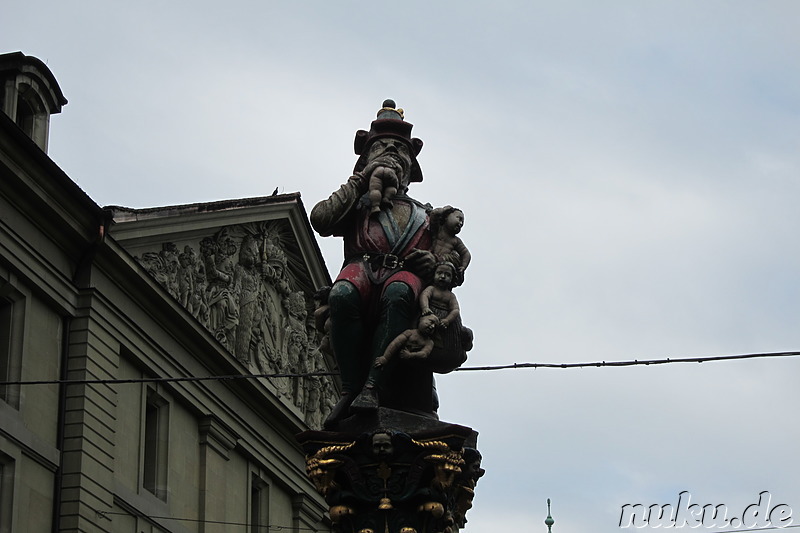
[{"x": 117, "y": 327}]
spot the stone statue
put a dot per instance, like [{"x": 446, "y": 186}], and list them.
[
  {"x": 382, "y": 188},
  {"x": 322, "y": 319},
  {"x": 384, "y": 461},
  {"x": 452, "y": 340},
  {"x": 446, "y": 224},
  {"x": 246, "y": 287},
  {"x": 465, "y": 483},
  {"x": 412, "y": 343},
  {"x": 440, "y": 295},
  {"x": 389, "y": 259},
  {"x": 218, "y": 258}
]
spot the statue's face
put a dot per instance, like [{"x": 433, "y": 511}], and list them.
[
  {"x": 454, "y": 222},
  {"x": 427, "y": 324},
  {"x": 475, "y": 468},
  {"x": 382, "y": 445},
  {"x": 229, "y": 247},
  {"x": 395, "y": 150},
  {"x": 248, "y": 254},
  {"x": 387, "y": 145},
  {"x": 443, "y": 276}
]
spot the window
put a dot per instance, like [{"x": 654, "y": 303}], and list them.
[
  {"x": 156, "y": 441},
  {"x": 259, "y": 505},
  {"x": 12, "y": 314},
  {"x": 6, "y": 492},
  {"x": 25, "y": 116},
  {"x": 32, "y": 116}
]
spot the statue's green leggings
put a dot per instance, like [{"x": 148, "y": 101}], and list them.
[{"x": 395, "y": 312}]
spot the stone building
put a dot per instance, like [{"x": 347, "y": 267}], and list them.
[{"x": 131, "y": 308}]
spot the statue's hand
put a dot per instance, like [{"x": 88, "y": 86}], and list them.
[
  {"x": 420, "y": 262},
  {"x": 361, "y": 181}
]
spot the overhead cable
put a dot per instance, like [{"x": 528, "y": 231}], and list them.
[{"x": 512, "y": 366}]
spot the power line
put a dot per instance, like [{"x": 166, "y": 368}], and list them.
[
  {"x": 512, "y": 366},
  {"x": 635, "y": 362}
]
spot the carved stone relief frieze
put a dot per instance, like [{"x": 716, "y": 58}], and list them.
[{"x": 248, "y": 286}]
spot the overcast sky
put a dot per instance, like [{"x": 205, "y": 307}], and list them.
[{"x": 629, "y": 173}]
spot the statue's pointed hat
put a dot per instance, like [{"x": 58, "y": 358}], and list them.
[{"x": 389, "y": 123}]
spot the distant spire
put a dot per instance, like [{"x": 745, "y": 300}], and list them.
[{"x": 549, "y": 520}]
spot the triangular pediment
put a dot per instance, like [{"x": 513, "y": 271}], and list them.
[{"x": 247, "y": 270}]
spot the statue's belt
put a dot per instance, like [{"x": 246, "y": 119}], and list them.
[
  {"x": 379, "y": 267},
  {"x": 378, "y": 261}
]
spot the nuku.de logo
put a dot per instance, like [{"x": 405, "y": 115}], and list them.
[{"x": 686, "y": 514}]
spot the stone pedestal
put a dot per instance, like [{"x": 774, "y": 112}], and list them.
[{"x": 394, "y": 472}]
